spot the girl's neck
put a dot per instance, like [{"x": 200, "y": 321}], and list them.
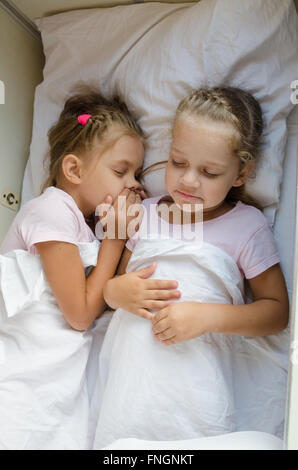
[
  {"x": 217, "y": 212},
  {"x": 208, "y": 214}
]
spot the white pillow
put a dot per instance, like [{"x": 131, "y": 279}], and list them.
[{"x": 154, "y": 54}]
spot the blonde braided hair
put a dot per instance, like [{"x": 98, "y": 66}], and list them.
[
  {"x": 242, "y": 110},
  {"x": 229, "y": 105}
]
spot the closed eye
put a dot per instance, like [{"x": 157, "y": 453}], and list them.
[
  {"x": 177, "y": 163},
  {"x": 210, "y": 174},
  {"x": 119, "y": 173}
]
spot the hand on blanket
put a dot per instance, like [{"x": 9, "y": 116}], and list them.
[
  {"x": 137, "y": 294},
  {"x": 180, "y": 321}
]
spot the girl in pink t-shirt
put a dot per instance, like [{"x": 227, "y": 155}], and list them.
[
  {"x": 94, "y": 158},
  {"x": 211, "y": 378}
]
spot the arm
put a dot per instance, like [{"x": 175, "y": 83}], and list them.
[
  {"x": 80, "y": 299},
  {"x": 267, "y": 315},
  {"x": 126, "y": 254},
  {"x": 137, "y": 294}
]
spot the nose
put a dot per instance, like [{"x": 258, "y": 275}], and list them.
[
  {"x": 190, "y": 179},
  {"x": 133, "y": 184}
]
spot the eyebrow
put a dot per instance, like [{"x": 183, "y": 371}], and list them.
[
  {"x": 177, "y": 150},
  {"x": 216, "y": 164},
  {"x": 128, "y": 163}
]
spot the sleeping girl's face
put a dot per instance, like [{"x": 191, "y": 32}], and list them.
[
  {"x": 110, "y": 171},
  {"x": 202, "y": 167}
]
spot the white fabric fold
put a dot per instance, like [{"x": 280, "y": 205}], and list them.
[{"x": 44, "y": 401}]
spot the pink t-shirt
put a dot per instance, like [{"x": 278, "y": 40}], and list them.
[
  {"x": 243, "y": 233},
  {"x": 53, "y": 215}
]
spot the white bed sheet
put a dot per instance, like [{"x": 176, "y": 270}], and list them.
[
  {"x": 283, "y": 231},
  {"x": 284, "y": 226},
  {"x": 245, "y": 440}
]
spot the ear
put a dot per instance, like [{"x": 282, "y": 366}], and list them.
[
  {"x": 72, "y": 168},
  {"x": 244, "y": 174}
]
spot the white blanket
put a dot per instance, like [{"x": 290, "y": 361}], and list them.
[
  {"x": 211, "y": 385},
  {"x": 142, "y": 389},
  {"x": 44, "y": 401}
]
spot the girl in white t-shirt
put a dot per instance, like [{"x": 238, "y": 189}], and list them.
[
  {"x": 212, "y": 379},
  {"x": 96, "y": 155}
]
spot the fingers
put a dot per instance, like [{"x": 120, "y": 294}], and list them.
[
  {"x": 135, "y": 202},
  {"x": 127, "y": 199},
  {"x": 162, "y": 330},
  {"x": 147, "y": 271},
  {"x": 141, "y": 191},
  {"x": 165, "y": 335},
  {"x": 108, "y": 199},
  {"x": 138, "y": 198},
  {"x": 162, "y": 294},
  {"x": 161, "y": 284},
  {"x": 161, "y": 315},
  {"x": 122, "y": 198},
  {"x": 156, "y": 304},
  {"x": 143, "y": 194},
  {"x": 130, "y": 195},
  {"x": 124, "y": 192},
  {"x": 168, "y": 342},
  {"x": 142, "y": 312},
  {"x": 161, "y": 326}
]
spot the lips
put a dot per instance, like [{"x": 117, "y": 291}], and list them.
[{"x": 187, "y": 196}]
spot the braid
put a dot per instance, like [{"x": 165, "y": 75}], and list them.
[{"x": 69, "y": 136}]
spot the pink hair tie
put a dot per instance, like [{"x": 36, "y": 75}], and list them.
[{"x": 83, "y": 118}]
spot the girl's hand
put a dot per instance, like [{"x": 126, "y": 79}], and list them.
[
  {"x": 138, "y": 295},
  {"x": 142, "y": 193},
  {"x": 93, "y": 219},
  {"x": 115, "y": 217},
  {"x": 180, "y": 321}
]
